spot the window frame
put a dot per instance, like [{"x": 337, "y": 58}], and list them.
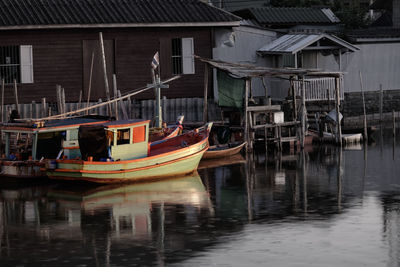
[{"x": 24, "y": 67}]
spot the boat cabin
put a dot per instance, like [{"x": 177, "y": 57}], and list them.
[
  {"x": 115, "y": 140},
  {"x": 45, "y": 139}
]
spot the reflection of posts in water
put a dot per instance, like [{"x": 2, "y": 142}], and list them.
[
  {"x": 4, "y": 229},
  {"x": 365, "y": 163},
  {"x": 339, "y": 179},
  {"x": 305, "y": 203},
  {"x": 250, "y": 170}
]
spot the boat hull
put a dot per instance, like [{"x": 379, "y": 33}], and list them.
[
  {"x": 180, "y": 166},
  {"x": 215, "y": 154},
  {"x": 176, "y": 156}
]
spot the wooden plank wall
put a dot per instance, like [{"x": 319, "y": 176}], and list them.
[{"x": 58, "y": 59}]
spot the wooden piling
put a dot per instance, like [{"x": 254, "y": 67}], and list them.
[
  {"x": 44, "y": 107},
  {"x": 205, "y": 110},
  {"x": 246, "y": 119},
  {"x": 58, "y": 94},
  {"x": 380, "y": 103},
  {"x": 294, "y": 98},
  {"x": 394, "y": 123},
  {"x": 2, "y": 100},
  {"x": 365, "y": 114},
  {"x": 16, "y": 95},
  {"x": 303, "y": 115},
  {"x": 337, "y": 105}
]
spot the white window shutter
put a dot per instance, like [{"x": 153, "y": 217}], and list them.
[
  {"x": 26, "y": 59},
  {"x": 187, "y": 55}
]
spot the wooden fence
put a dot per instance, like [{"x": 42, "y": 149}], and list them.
[
  {"x": 191, "y": 108},
  {"x": 318, "y": 89}
]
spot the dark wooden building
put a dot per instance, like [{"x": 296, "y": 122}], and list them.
[{"x": 49, "y": 42}]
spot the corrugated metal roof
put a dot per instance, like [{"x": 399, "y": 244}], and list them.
[
  {"x": 293, "y": 43},
  {"x": 290, "y": 15},
  {"x": 86, "y": 12}
]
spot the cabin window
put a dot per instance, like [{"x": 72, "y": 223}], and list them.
[
  {"x": 139, "y": 134},
  {"x": 16, "y": 64},
  {"x": 123, "y": 136},
  {"x": 182, "y": 56}
]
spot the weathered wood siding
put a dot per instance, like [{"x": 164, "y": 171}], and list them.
[{"x": 58, "y": 59}]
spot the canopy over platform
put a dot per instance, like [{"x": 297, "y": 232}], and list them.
[{"x": 252, "y": 71}]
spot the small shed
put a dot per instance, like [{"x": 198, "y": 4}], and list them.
[{"x": 248, "y": 72}]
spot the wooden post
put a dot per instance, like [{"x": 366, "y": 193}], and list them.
[
  {"x": 103, "y": 57},
  {"x": 80, "y": 99},
  {"x": 44, "y": 109},
  {"x": 16, "y": 96},
  {"x": 337, "y": 103},
  {"x": 63, "y": 100},
  {"x": 2, "y": 100},
  {"x": 303, "y": 111},
  {"x": 380, "y": 103},
  {"x": 394, "y": 123},
  {"x": 115, "y": 95},
  {"x": 249, "y": 144},
  {"x": 365, "y": 113},
  {"x": 205, "y": 105},
  {"x": 58, "y": 93},
  {"x": 294, "y": 98},
  {"x": 90, "y": 82}
]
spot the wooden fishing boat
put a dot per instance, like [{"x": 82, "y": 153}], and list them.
[
  {"x": 27, "y": 144},
  {"x": 119, "y": 151},
  {"x": 225, "y": 150},
  {"x": 161, "y": 134}
]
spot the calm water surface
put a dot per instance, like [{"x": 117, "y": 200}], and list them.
[{"x": 321, "y": 207}]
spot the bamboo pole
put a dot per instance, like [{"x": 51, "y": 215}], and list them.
[
  {"x": 103, "y": 57},
  {"x": 137, "y": 91},
  {"x": 364, "y": 110},
  {"x": 90, "y": 82},
  {"x": 205, "y": 110}
]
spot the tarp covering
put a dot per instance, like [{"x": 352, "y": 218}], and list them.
[
  {"x": 93, "y": 142},
  {"x": 230, "y": 90}
]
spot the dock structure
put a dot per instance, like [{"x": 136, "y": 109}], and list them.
[{"x": 272, "y": 129}]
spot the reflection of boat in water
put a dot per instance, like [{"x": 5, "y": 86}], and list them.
[{"x": 187, "y": 190}]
